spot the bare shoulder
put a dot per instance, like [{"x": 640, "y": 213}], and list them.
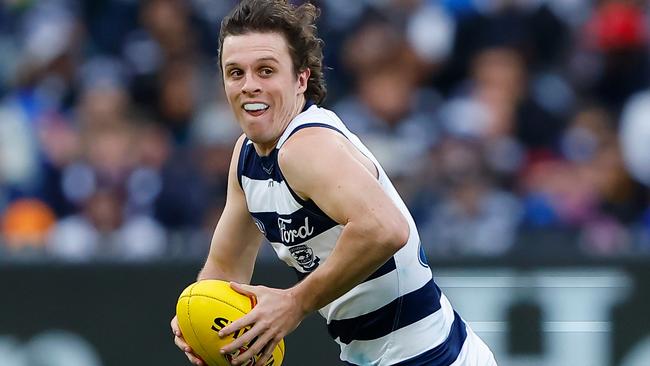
[
  {"x": 309, "y": 146},
  {"x": 310, "y": 156},
  {"x": 311, "y": 142}
]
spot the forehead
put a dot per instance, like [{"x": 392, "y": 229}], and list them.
[{"x": 250, "y": 47}]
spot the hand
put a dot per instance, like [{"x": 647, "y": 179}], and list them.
[
  {"x": 180, "y": 343},
  {"x": 276, "y": 314}
]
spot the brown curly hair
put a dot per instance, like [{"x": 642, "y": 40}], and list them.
[{"x": 297, "y": 24}]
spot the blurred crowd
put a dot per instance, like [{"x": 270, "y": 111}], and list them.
[{"x": 510, "y": 127}]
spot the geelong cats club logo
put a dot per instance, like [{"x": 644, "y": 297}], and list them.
[
  {"x": 305, "y": 257},
  {"x": 303, "y": 254}
]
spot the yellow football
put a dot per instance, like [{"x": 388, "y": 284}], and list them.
[{"x": 203, "y": 309}]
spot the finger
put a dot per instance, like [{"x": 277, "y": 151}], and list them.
[
  {"x": 268, "y": 352},
  {"x": 175, "y": 328},
  {"x": 180, "y": 343},
  {"x": 243, "y": 322},
  {"x": 242, "y": 340},
  {"x": 193, "y": 359},
  {"x": 255, "y": 348}
]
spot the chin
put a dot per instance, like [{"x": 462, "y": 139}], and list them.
[
  {"x": 257, "y": 137},
  {"x": 257, "y": 132}
]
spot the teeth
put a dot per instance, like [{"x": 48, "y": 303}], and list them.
[{"x": 252, "y": 107}]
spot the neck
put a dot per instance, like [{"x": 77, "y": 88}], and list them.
[{"x": 265, "y": 149}]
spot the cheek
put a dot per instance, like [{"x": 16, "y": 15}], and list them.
[
  {"x": 232, "y": 101},
  {"x": 230, "y": 89}
]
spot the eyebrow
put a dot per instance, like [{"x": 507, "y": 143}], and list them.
[{"x": 267, "y": 58}]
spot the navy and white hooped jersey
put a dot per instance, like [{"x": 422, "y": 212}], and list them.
[{"x": 397, "y": 316}]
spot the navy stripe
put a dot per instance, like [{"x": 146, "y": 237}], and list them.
[
  {"x": 272, "y": 222},
  {"x": 387, "y": 267},
  {"x": 308, "y": 103},
  {"x": 258, "y": 167},
  {"x": 401, "y": 312},
  {"x": 301, "y": 275},
  {"x": 446, "y": 353},
  {"x": 443, "y": 354},
  {"x": 261, "y": 167}
]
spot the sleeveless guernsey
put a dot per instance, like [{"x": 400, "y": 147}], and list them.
[{"x": 398, "y": 315}]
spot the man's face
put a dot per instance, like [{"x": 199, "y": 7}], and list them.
[{"x": 262, "y": 89}]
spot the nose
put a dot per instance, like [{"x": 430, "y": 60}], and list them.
[{"x": 251, "y": 85}]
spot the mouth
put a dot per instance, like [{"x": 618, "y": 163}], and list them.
[{"x": 255, "y": 109}]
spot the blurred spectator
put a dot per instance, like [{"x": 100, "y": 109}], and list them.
[
  {"x": 182, "y": 198},
  {"x": 36, "y": 111},
  {"x": 617, "y": 34},
  {"x": 496, "y": 106},
  {"x": 108, "y": 22},
  {"x": 104, "y": 97},
  {"x": 633, "y": 139},
  {"x": 18, "y": 148},
  {"x": 388, "y": 107},
  {"x": 537, "y": 29},
  {"x": 178, "y": 98},
  {"x": 502, "y": 84},
  {"x": 587, "y": 187},
  {"x": 104, "y": 231},
  {"x": 168, "y": 23},
  {"x": 430, "y": 31},
  {"x": 495, "y": 119},
  {"x": 214, "y": 132},
  {"x": 25, "y": 224},
  {"x": 472, "y": 217},
  {"x": 101, "y": 101},
  {"x": 635, "y": 136}
]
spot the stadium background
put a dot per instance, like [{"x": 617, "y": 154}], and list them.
[{"x": 518, "y": 132}]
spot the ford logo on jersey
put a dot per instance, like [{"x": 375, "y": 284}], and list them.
[{"x": 288, "y": 236}]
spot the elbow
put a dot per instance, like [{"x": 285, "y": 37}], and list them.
[
  {"x": 402, "y": 234},
  {"x": 395, "y": 234},
  {"x": 384, "y": 234}
]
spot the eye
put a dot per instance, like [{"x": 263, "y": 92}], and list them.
[
  {"x": 234, "y": 73},
  {"x": 266, "y": 71}
]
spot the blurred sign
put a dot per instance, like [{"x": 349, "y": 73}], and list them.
[
  {"x": 119, "y": 315},
  {"x": 50, "y": 348}
]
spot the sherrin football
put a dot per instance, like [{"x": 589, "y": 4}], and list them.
[{"x": 203, "y": 309}]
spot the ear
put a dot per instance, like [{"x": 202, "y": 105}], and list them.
[{"x": 303, "y": 78}]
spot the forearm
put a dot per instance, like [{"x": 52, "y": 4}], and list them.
[
  {"x": 355, "y": 257},
  {"x": 210, "y": 271},
  {"x": 214, "y": 270},
  {"x": 233, "y": 251}
]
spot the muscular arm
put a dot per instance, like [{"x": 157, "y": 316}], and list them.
[
  {"x": 236, "y": 239},
  {"x": 325, "y": 167},
  {"x": 235, "y": 243}
]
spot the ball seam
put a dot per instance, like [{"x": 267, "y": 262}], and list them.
[
  {"x": 218, "y": 299},
  {"x": 196, "y": 336}
]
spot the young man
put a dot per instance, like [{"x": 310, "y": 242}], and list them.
[{"x": 302, "y": 179}]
